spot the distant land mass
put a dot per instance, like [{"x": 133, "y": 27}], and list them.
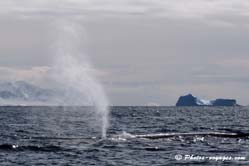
[
  {"x": 190, "y": 100},
  {"x": 23, "y": 92}
]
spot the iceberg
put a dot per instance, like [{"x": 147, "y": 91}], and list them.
[{"x": 190, "y": 100}]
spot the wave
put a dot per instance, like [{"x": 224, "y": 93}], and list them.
[
  {"x": 202, "y": 134},
  {"x": 126, "y": 136},
  {"x": 12, "y": 147}
]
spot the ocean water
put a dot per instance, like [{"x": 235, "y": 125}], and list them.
[{"x": 71, "y": 136}]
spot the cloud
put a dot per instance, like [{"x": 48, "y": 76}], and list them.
[
  {"x": 169, "y": 8},
  {"x": 36, "y": 75}
]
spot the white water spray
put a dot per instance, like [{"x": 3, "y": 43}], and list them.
[{"x": 75, "y": 73}]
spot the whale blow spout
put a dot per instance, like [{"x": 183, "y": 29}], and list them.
[{"x": 75, "y": 74}]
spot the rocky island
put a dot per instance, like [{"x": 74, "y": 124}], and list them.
[{"x": 190, "y": 100}]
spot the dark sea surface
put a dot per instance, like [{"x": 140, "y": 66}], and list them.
[{"x": 71, "y": 136}]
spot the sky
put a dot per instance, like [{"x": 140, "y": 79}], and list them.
[{"x": 144, "y": 52}]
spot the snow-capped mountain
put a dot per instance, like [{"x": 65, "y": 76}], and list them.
[
  {"x": 22, "y": 90},
  {"x": 23, "y": 93}
]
